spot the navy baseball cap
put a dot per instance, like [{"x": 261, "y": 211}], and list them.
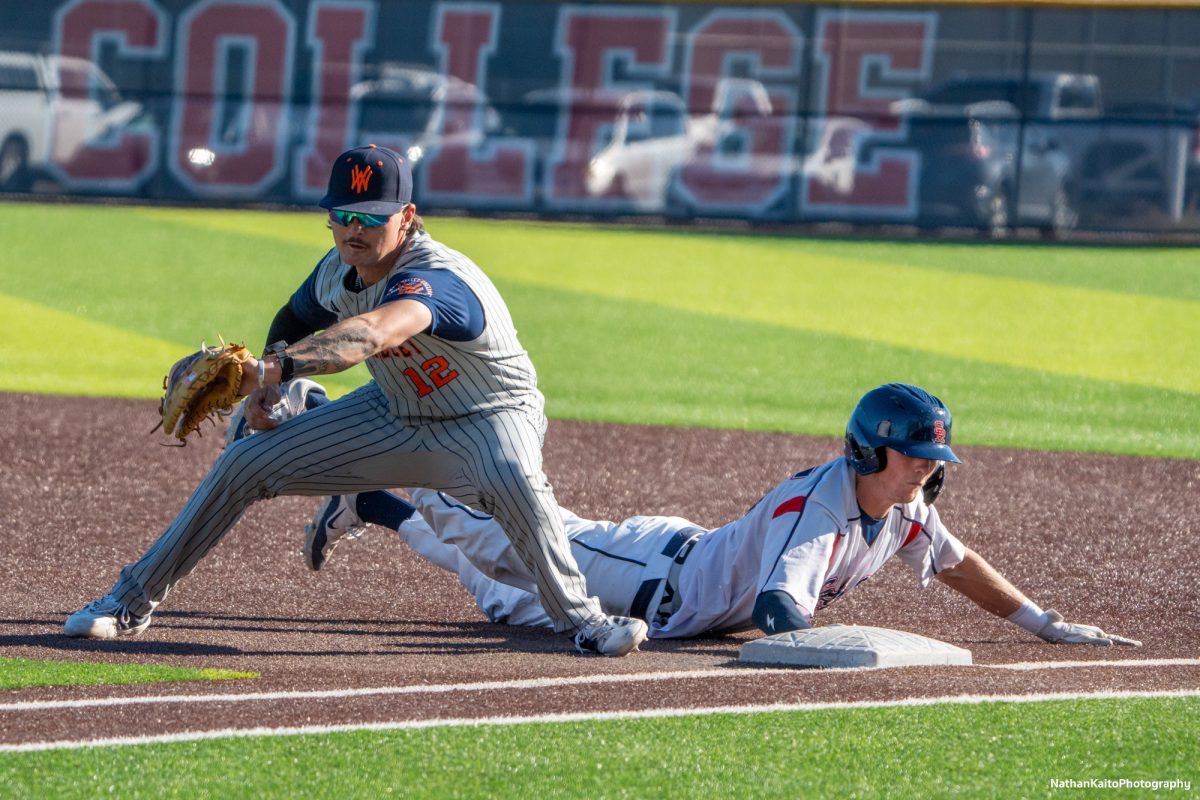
[{"x": 371, "y": 179}]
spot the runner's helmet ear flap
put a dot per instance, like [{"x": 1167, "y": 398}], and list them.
[
  {"x": 865, "y": 460},
  {"x": 906, "y": 418},
  {"x": 934, "y": 485}
]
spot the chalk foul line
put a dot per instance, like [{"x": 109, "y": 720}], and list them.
[
  {"x": 533, "y": 683},
  {"x": 319, "y": 730}
]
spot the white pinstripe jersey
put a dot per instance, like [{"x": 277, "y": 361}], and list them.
[{"x": 429, "y": 377}]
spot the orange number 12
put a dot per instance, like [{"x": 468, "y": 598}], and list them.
[{"x": 439, "y": 372}]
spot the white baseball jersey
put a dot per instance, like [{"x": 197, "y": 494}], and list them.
[
  {"x": 455, "y": 408},
  {"x": 805, "y": 537}
]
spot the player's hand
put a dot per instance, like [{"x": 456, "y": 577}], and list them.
[
  {"x": 1059, "y": 631},
  {"x": 261, "y": 405}
]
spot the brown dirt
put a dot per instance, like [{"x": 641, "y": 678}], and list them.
[{"x": 1105, "y": 539}]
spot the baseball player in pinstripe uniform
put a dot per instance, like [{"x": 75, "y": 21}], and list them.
[
  {"x": 806, "y": 543},
  {"x": 453, "y": 404}
]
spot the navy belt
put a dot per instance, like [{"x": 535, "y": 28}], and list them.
[{"x": 677, "y": 549}]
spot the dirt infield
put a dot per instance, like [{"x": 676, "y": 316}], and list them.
[{"x": 1107, "y": 540}]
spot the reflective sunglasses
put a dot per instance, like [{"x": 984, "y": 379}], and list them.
[{"x": 344, "y": 218}]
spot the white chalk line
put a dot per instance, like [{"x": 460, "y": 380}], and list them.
[
  {"x": 224, "y": 733},
  {"x": 432, "y": 688},
  {"x": 534, "y": 683},
  {"x": 1025, "y": 666}
]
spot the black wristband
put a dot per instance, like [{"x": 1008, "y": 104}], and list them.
[{"x": 287, "y": 367}]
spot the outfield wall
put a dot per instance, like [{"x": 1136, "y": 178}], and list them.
[{"x": 777, "y": 113}]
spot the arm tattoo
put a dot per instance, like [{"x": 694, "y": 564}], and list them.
[{"x": 335, "y": 349}]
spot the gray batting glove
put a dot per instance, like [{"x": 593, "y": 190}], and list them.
[{"x": 1059, "y": 631}]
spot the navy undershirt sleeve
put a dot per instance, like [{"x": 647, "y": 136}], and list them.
[
  {"x": 776, "y": 612},
  {"x": 457, "y": 313},
  {"x": 287, "y": 327},
  {"x": 305, "y": 307}
]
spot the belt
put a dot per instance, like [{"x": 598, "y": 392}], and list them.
[{"x": 661, "y": 593}]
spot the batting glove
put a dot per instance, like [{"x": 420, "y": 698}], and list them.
[{"x": 1059, "y": 631}]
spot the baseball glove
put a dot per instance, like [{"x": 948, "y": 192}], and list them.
[{"x": 201, "y": 386}]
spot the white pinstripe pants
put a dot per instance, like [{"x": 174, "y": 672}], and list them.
[{"x": 491, "y": 460}]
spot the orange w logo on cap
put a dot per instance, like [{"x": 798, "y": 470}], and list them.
[{"x": 360, "y": 177}]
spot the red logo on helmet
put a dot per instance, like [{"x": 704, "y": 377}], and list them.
[{"x": 939, "y": 432}]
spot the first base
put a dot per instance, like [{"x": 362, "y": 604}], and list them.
[{"x": 851, "y": 646}]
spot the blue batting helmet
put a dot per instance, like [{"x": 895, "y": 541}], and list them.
[{"x": 905, "y": 418}]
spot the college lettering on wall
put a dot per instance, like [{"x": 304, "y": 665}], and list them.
[{"x": 646, "y": 107}]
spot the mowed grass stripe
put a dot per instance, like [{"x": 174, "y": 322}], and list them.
[
  {"x": 165, "y": 280},
  {"x": 1169, "y": 272},
  {"x": 678, "y": 328},
  {"x": 22, "y": 673},
  {"x": 1014, "y": 749},
  {"x": 1070, "y": 330},
  {"x": 677, "y": 368},
  {"x": 103, "y": 360},
  {"x": 739, "y": 375},
  {"x": 308, "y": 229},
  {"x": 1065, "y": 330},
  {"x": 1138, "y": 270}
]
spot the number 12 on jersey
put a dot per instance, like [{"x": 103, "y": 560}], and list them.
[{"x": 437, "y": 370}]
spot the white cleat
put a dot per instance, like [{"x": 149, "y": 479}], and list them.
[
  {"x": 104, "y": 618},
  {"x": 610, "y": 636}
]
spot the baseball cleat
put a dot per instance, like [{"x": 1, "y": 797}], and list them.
[
  {"x": 610, "y": 636},
  {"x": 104, "y": 619},
  {"x": 335, "y": 520}
]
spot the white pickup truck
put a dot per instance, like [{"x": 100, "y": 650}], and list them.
[
  {"x": 653, "y": 135},
  {"x": 52, "y": 106}
]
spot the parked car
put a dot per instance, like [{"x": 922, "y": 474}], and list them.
[
  {"x": 52, "y": 107},
  {"x": 833, "y": 158},
  {"x": 1178, "y": 118},
  {"x": 968, "y": 169},
  {"x": 647, "y": 141},
  {"x": 1042, "y": 129},
  {"x": 1040, "y": 95},
  {"x": 654, "y": 136},
  {"x": 1115, "y": 166}
]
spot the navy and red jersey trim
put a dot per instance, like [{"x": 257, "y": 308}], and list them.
[
  {"x": 457, "y": 313},
  {"x": 795, "y": 505},
  {"x": 915, "y": 529}
]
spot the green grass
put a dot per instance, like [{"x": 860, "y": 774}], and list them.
[
  {"x": 107, "y": 309},
  {"x": 22, "y": 673},
  {"x": 766, "y": 378},
  {"x": 1077, "y": 348},
  {"x": 989, "y": 750}
]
